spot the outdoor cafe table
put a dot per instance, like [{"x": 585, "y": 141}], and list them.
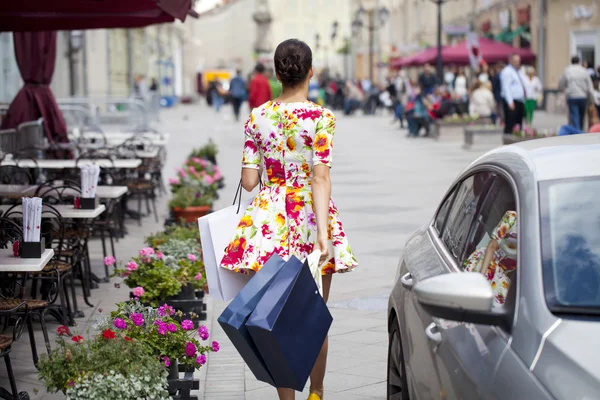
[
  {"x": 15, "y": 191},
  {"x": 65, "y": 210},
  {"x": 123, "y": 163},
  {"x": 10, "y": 263},
  {"x": 102, "y": 192}
]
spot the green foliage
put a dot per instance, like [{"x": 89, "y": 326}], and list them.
[
  {"x": 113, "y": 385},
  {"x": 176, "y": 231},
  {"x": 179, "y": 248},
  {"x": 191, "y": 196},
  {"x": 164, "y": 336},
  {"x": 207, "y": 152},
  {"x": 74, "y": 362},
  {"x": 152, "y": 273}
]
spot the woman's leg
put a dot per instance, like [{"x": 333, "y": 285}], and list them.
[{"x": 317, "y": 375}]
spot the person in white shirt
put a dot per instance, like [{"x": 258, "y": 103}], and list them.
[
  {"x": 535, "y": 93},
  {"x": 576, "y": 83},
  {"x": 482, "y": 102},
  {"x": 513, "y": 94},
  {"x": 461, "y": 92}
]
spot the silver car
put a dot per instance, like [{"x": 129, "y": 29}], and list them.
[{"x": 498, "y": 297}]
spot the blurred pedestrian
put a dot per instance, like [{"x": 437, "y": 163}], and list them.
[
  {"x": 449, "y": 77},
  {"x": 237, "y": 90},
  {"x": 260, "y": 90},
  {"x": 577, "y": 86},
  {"x": 461, "y": 92},
  {"x": 354, "y": 98},
  {"x": 482, "y": 102},
  {"x": 274, "y": 84},
  {"x": 535, "y": 93},
  {"x": 427, "y": 80},
  {"x": 217, "y": 95},
  {"x": 497, "y": 91},
  {"x": 513, "y": 94}
]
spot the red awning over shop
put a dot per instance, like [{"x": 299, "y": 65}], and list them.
[
  {"x": 50, "y": 15},
  {"x": 35, "y": 22},
  {"x": 491, "y": 51}
]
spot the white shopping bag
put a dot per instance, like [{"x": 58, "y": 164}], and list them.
[
  {"x": 313, "y": 260},
  {"x": 216, "y": 231}
]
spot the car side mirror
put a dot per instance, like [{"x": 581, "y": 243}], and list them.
[{"x": 460, "y": 296}]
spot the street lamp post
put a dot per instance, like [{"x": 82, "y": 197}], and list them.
[
  {"x": 358, "y": 23},
  {"x": 439, "y": 61}
]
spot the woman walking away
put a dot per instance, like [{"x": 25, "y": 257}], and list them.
[
  {"x": 535, "y": 93},
  {"x": 293, "y": 214}
]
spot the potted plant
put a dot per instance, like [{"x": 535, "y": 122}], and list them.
[
  {"x": 107, "y": 366},
  {"x": 169, "y": 340},
  {"x": 207, "y": 152},
  {"x": 191, "y": 202},
  {"x": 180, "y": 231}
]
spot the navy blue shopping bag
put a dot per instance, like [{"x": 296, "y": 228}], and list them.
[
  {"x": 234, "y": 317},
  {"x": 289, "y": 325}
]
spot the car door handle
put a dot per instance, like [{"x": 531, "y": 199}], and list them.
[
  {"x": 407, "y": 280},
  {"x": 433, "y": 333}
]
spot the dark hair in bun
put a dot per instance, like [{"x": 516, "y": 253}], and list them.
[{"x": 293, "y": 61}]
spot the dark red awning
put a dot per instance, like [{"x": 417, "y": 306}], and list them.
[{"x": 50, "y": 15}]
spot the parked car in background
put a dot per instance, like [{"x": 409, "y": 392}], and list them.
[{"x": 498, "y": 297}]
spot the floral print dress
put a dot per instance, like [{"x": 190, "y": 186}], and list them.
[
  {"x": 504, "y": 260},
  {"x": 288, "y": 139}
]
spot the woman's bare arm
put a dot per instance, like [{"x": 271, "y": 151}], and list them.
[
  {"x": 321, "y": 193},
  {"x": 250, "y": 178}
]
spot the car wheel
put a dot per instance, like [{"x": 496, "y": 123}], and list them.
[{"x": 397, "y": 386}]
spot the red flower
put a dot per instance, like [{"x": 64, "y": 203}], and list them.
[
  {"x": 77, "y": 339},
  {"x": 128, "y": 339},
  {"x": 275, "y": 171},
  {"x": 108, "y": 334},
  {"x": 62, "y": 330}
]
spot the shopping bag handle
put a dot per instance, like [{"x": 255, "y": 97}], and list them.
[
  {"x": 238, "y": 194},
  {"x": 313, "y": 260}
]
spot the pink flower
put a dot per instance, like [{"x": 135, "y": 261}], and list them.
[
  {"x": 124, "y": 274},
  {"x": 182, "y": 173},
  {"x": 187, "y": 325},
  {"x": 197, "y": 160},
  {"x": 166, "y": 310},
  {"x": 138, "y": 291},
  {"x": 191, "y": 257},
  {"x": 174, "y": 181},
  {"x": 167, "y": 361},
  {"x": 138, "y": 319},
  {"x": 172, "y": 328},
  {"x": 110, "y": 260},
  {"x": 190, "y": 349},
  {"x": 203, "y": 332},
  {"x": 217, "y": 176},
  {"x": 192, "y": 169},
  {"x": 132, "y": 266},
  {"x": 198, "y": 276},
  {"x": 160, "y": 255},
  {"x": 162, "y": 328},
  {"x": 215, "y": 346},
  {"x": 120, "y": 323},
  {"x": 147, "y": 251},
  {"x": 201, "y": 359},
  {"x": 209, "y": 179}
]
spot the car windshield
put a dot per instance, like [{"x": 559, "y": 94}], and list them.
[{"x": 570, "y": 222}]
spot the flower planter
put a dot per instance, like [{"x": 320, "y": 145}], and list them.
[
  {"x": 180, "y": 388},
  {"x": 190, "y": 214}
]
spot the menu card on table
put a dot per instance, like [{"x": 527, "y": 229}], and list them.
[
  {"x": 32, "y": 218},
  {"x": 89, "y": 180}
]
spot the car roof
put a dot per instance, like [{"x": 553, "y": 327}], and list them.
[{"x": 573, "y": 156}]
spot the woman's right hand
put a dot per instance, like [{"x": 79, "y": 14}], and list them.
[{"x": 323, "y": 246}]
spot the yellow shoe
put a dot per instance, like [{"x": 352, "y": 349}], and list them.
[{"x": 314, "y": 396}]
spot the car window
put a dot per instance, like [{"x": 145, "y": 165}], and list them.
[
  {"x": 440, "y": 218},
  {"x": 493, "y": 240},
  {"x": 468, "y": 200},
  {"x": 570, "y": 221}
]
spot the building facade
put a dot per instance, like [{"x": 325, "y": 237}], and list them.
[{"x": 312, "y": 21}]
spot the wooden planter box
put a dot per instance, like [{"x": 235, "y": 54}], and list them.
[
  {"x": 438, "y": 125},
  {"x": 471, "y": 131},
  {"x": 180, "y": 387}
]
